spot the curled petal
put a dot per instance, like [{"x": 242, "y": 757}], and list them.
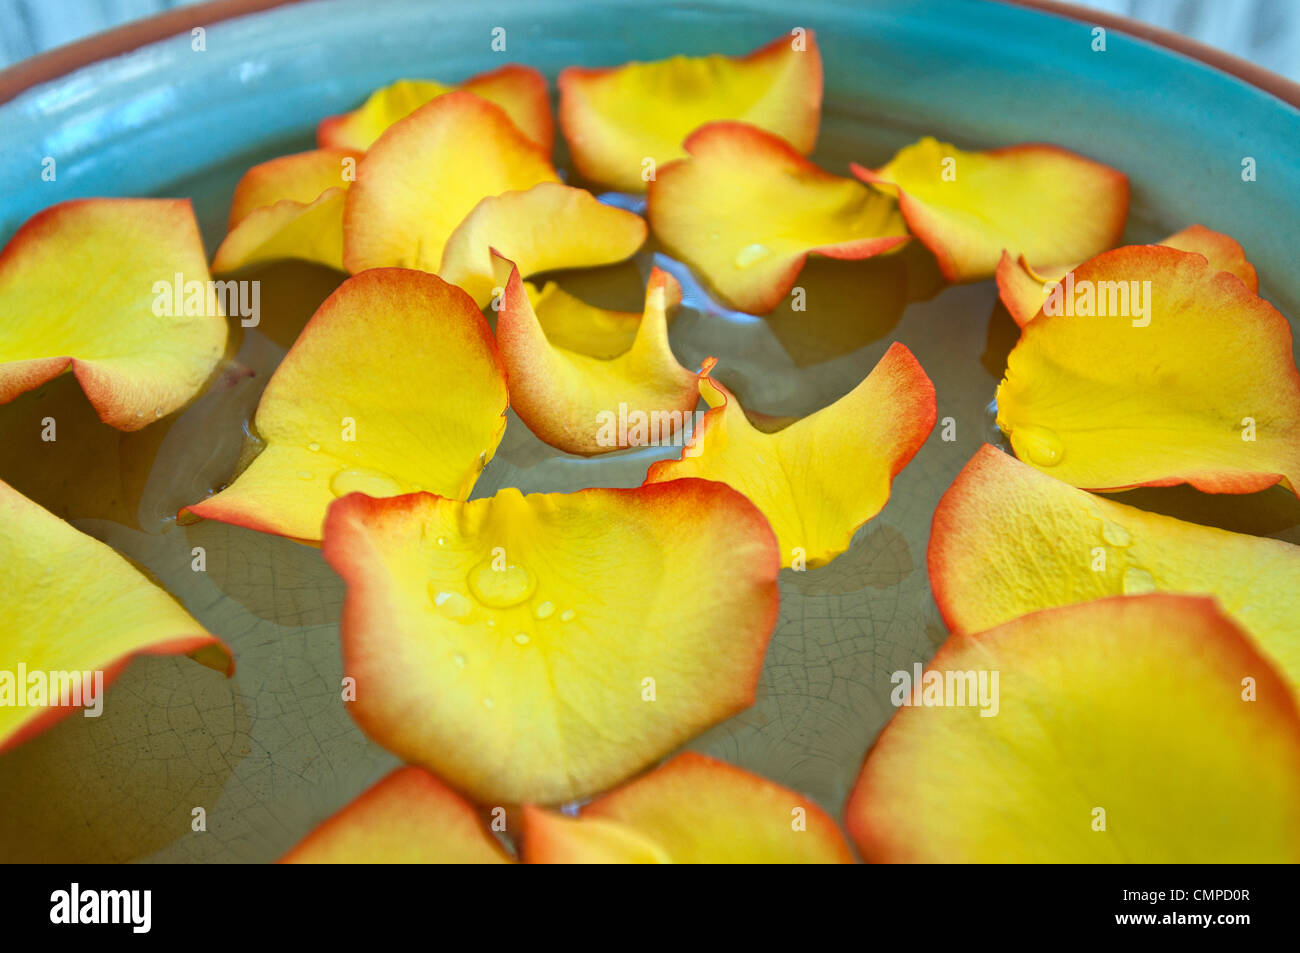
[
  {"x": 543, "y": 647},
  {"x": 1049, "y": 204},
  {"x": 286, "y": 230},
  {"x": 745, "y": 210},
  {"x": 118, "y": 290},
  {"x": 820, "y": 478},
  {"x": 1024, "y": 289},
  {"x": 74, "y": 607},
  {"x": 519, "y": 90},
  {"x": 289, "y": 207},
  {"x": 299, "y": 178},
  {"x": 426, "y": 173},
  {"x": 576, "y": 402},
  {"x": 622, "y": 121},
  {"x": 393, "y": 386},
  {"x": 574, "y": 325},
  {"x": 1151, "y": 367},
  {"x": 692, "y": 810},
  {"x": 1223, "y": 252},
  {"x": 1008, "y": 540},
  {"x": 1121, "y": 726},
  {"x": 409, "y": 817},
  {"x": 546, "y": 228}
]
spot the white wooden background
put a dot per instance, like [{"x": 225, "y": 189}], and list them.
[{"x": 1266, "y": 31}]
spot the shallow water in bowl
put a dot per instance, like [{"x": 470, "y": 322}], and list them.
[{"x": 272, "y": 751}]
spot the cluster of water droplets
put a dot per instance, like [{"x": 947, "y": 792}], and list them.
[
  {"x": 1043, "y": 448},
  {"x": 490, "y": 588},
  {"x": 1135, "y": 580}
]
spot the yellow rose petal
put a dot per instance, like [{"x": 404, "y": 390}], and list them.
[
  {"x": 1124, "y": 734},
  {"x": 117, "y": 290},
  {"x": 1008, "y": 540},
  {"x": 1049, "y": 204},
  {"x": 409, "y": 817},
  {"x": 692, "y": 810},
  {"x": 1023, "y": 289},
  {"x": 393, "y": 386},
  {"x": 745, "y": 210},
  {"x": 580, "y": 403},
  {"x": 426, "y": 173},
  {"x": 623, "y": 122},
  {"x": 546, "y": 228},
  {"x": 519, "y": 90},
  {"x": 1155, "y": 368},
  {"x": 820, "y": 478},
  {"x": 544, "y": 647},
  {"x": 73, "y": 606}
]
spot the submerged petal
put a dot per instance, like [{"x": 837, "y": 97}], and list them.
[
  {"x": 587, "y": 405},
  {"x": 426, "y": 173},
  {"x": 820, "y": 478},
  {"x": 1008, "y": 540},
  {"x": 289, "y": 207},
  {"x": 409, "y": 817},
  {"x": 519, "y": 90},
  {"x": 543, "y": 647},
  {"x": 1155, "y": 368},
  {"x": 393, "y": 386},
  {"x": 1128, "y": 730},
  {"x": 74, "y": 607},
  {"x": 745, "y": 210},
  {"x": 546, "y": 228},
  {"x": 118, "y": 290},
  {"x": 1023, "y": 289},
  {"x": 622, "y": 121},
  {"x": 692, "y": 810},
  {"x": 1049, "y": 204}
]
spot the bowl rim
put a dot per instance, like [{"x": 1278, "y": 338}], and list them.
[{"x": 63, "y": 60}]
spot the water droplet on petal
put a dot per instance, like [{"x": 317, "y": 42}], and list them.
[
  {"x": 488, "y": 703},
  {"x": 450, "y": 605},
  {"x": 521, "y": 638},
  {"x": 314, "y": 447},
  {"x": 544, "y": 609},
  {"x": 1115, "y": 534},
  {"x": 500, "y": 588},
  {"x": 441, "y": 541},
  {"x": 360, "y": 480},
  {"x": 1137, "y": 581},
  {"x": 1042, "y": 446},
  {"x": 752, "y": 255},
  {"x": 458, "y": 660},
  {"x": 567, "y": 615}
]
